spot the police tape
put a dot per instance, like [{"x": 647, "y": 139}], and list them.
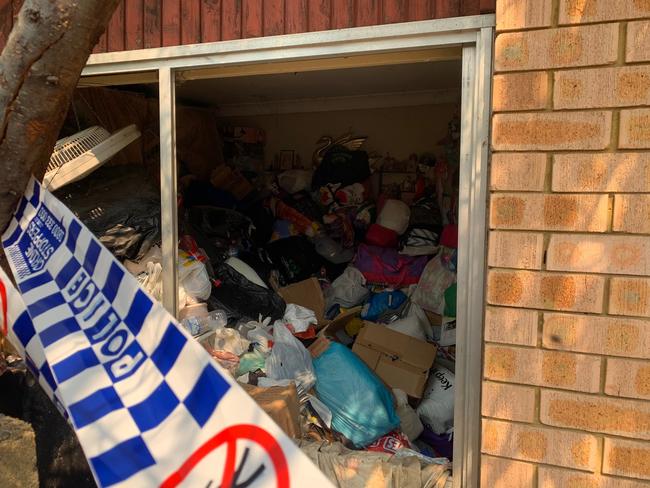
[{"x": 148, "y": 404}]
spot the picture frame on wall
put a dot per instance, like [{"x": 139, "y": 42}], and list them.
[{"x": 286, "y": 159}]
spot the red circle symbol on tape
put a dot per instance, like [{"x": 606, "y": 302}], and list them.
[{"x": 229, "y": 437}]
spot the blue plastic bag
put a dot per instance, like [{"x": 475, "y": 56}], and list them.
[
  {"x": 382, "y": 302},
  {"x": 362, "y": 407}
]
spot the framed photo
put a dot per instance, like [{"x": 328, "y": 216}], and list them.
[{"x": 286, "y": 159}]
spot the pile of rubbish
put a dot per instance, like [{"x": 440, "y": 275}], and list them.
[{"x": 332, "y": 305}]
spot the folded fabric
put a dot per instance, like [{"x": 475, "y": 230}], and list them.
[
  {"x": 387, "y": 266},
  {"x": 378, "y": 235}
]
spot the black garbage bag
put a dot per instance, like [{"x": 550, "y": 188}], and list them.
[
  {"x": 340, "y": 165},
  {"x": 241, "y": 298},
  {"x": 217, "y": 229},
  {"x": 120, "y": 205},
  {"x": 295, "y": 258}
]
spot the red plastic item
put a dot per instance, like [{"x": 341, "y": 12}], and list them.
[{"x": 390, "y": 443}]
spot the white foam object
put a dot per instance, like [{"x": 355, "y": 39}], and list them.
[{"x": 395, "y": 215}]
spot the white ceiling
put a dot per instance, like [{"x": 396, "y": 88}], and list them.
[{"x": 418, "y": 77}]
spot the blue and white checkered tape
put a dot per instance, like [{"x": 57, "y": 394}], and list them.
[
  {"x": 149, "y": 405},
  {"x": 16, "y": 323}
]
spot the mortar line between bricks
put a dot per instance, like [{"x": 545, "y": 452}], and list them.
[
  {"x": 578, "y": 231},
  {"x": 596, "y": 435},
  {"x": 558, "y": 350},
  {"x": 582, "y": 109},
  {"x": 555, "y": 14},
  {"x": 573, "y": 312},
  {"x": 603, "y": 375},
  {"x": 594, "y": 396},
  {"x": 574, "y": 430},
  {"x": 563, "y": 152},
  {"x": 576, "y": 272},
  {"x": 622, "y": 43},
  {"x": 572, "y": 351},
  {"x": 538, "y": 464},
  {"x": 615, "y": 128},
  {"x": 600, "y": 446}
]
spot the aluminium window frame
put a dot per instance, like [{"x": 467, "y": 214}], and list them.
[{"x": 473, "y": 36}]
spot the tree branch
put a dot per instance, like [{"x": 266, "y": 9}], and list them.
[{"x": 39, "y": 69}]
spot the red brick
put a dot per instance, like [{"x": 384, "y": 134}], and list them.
[
  {"x": 580, "y": 11},
  {"x": 523, "y": 250},
  {"x": 601, "y": 172},
  {"x": 506, "y": 473},
  {"x": 518, "y": 171},
  {"x": 548, "y": 446},
  {"x": 635, "y": 129},
  {"x": 550, "y": 291},
  {"x": 564, "y": 478},
  {"x": 592, "y": 253},
  {"x": 628, "y": 378},
  {"x": 511, "y": 326},
  {"x": 628, "y": 418},
  {"x": 627, "y": 458},
  {"x": 614, "y": 336},
  {"x": 536, "y": 211},
  {"x": 602, "y": 87},
  {"x": 629, "y": 296},
  {"x": 557, "y": 48},
  {"x": 632, "y": 214},
  {"x": 522, "y": 14},
  {"x": 509, "y": 402},
  {"x": 520, "y": 91},
  {"x": 577, "y": 372},
  {"x": 542, "y": 131},
  {"x": 638, "y": 41}
]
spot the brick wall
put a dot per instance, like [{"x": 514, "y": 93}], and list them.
[{"x": 566, "y": 392}]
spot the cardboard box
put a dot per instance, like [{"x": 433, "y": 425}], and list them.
[
  {"x": 401, "y": 361},
  {"x": 307, "y": 294},
  {"x": 281, "y": 403}
]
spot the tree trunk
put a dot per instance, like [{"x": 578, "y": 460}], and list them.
[{"x": 39, "y": 69}]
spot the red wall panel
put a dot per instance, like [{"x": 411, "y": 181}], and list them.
[
  {"x": 319, "y": 15},
  {"x": 190, "y": 21},
  {"x": 273, "y": 17},
  {"x": 152, "y": 23},
  {"x": 210, "y": 20},
  {"x": 134, "y": 24},
  {"x": 342, "y": 14},
  {"x": 116, "y": 29},
  {"x": 295, "y": 16},
  {"x": 230, "y": 19},
  {"x": 140, "y": 24},
  {"x": 420, "y": 9},
  {"x": 252, "y": 14},
  {"x": 171, "y": 23}
]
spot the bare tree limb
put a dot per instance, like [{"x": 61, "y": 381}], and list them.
[{"x": 39, "y": 69}]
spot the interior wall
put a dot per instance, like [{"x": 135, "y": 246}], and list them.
[{"x": 399, "y": 131}]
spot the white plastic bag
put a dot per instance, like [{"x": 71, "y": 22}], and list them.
[
  {"x": 437, "y": 407},
  {"x": 435, "y": 279},
  {"x": 290, "y": 360},
  {"x": 193, "y": 276},
  {"x": 226, "y": 339},
  {"x": 409, "y": 420},
  {"x": 299, "y": 317},
  {"x": 415, "y": 324}
]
